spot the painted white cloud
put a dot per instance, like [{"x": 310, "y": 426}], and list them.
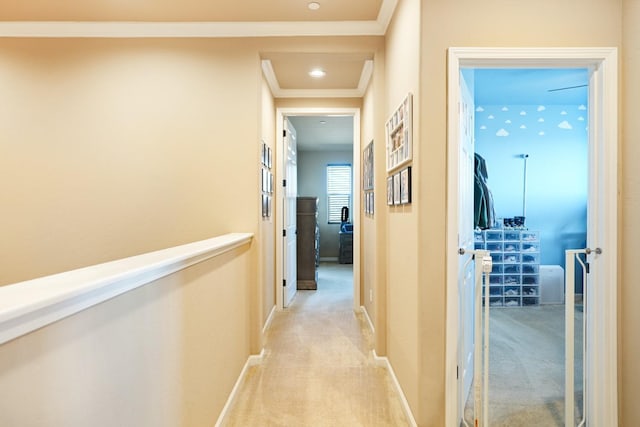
[
  {"x": 582, "y": 108},
  {"x": 581, "y": 119},
  {"x": 523, "y": 127},
  {"x": 563, "y": 113},
  {"x": 523, "y": 113},
  {"x": 565, "y": 125},
  {"x": 502, "y": 132},
  {"x": 541, "y": 108},
  {"x": 540, "y": 120},
  {"x": 490, "y": 117},
  {"x": 479, "y": 109},
  {"x": 483, "y": 127},
  {"x": 505, "y": 109},
  {"x": 541, "y": 133},
  {"x": 508, "y": 122}
]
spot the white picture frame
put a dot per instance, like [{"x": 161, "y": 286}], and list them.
[{"x": 399, "y": 134}]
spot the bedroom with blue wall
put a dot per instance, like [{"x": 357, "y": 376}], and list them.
[{"x": 542, "y": 122}]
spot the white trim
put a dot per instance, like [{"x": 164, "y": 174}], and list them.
[
  {"x": 384, "y": 362},
  {"x": 252, "y": 360},
  {"x": 365, "y": 77},
  {"x": 281, "y": 113},
  {"x": 602, "y": 344},
  {"x": 29, "y": 305},
  {"x": 267, "y": 324},
  {"x": 123, "y": 29},
  {"x": 366, "y": 316},
  {"x": 387, "y": 9},
  {"x": 278, "y": 92},
  {"x": 119, "y": 29}
]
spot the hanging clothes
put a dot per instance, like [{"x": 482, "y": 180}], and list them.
[{"x": 483, "y": 212}]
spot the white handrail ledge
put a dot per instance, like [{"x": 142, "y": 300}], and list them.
[{"x": 32, "y": 304}]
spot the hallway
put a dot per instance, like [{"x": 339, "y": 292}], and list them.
[{"x": 318, "y": 368}]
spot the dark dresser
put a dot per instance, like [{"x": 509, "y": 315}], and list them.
[{"x": 308, "y": 242}]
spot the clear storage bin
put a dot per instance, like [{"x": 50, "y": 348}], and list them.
[
  {"x": 530, "y": 236},
  {"x": 511, "y": 258},
  {"x": 495, "y": 279},
  {"x": 512, "y": 291},
  {"x": 494, "y": 246},
  {"x": 477, "y": 236},
  {"x": 511, "y": 268},
  {"x": 511, "y": 247},
  {"x": 478, "y": 245},
  {"x": 495, "y": 302},
  {"x": 530, "y": 269},
  {"x": 512, "y": 302},
  {"x": 530, "y": 247},
  {"x": 511, "y": 279},
  {"x": 530, "y": 279},
  {"x": 530, "y": 291},
  {"x": 495, "y": 291},
  {"x": 497, "y": 269},
  {"x": 493, "y": 235},
  {"x": 531, "y": 258},
  {"x": 496, "y": 257},
  {"x": 512, "y": 236},
  {"x": 530, "y": 300}
]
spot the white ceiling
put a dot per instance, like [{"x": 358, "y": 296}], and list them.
[
  {"x": 531, "y": 86},
  {"x": 335, "y": 134}
]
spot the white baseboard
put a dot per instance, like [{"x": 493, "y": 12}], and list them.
[
  {"x": 252, "y": 360},
  {"x": 329, "y": 259},
  {"x": 267, "y": 324},
  {"x": 384, "y": 362},
  {"x": 366, "y": 315}
]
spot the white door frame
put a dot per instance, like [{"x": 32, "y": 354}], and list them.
[
  {"x": 601, "y": 369},
  {"x": 281, "y": 113}
]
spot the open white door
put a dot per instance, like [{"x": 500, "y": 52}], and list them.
[
  {"x": 466, "y": 274},
  {"x": 290, "y": 176},
  {"x": 600, "y": 348}
]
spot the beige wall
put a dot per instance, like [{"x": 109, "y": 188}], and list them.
[
  {"x": 267, "y": 226},
  {"x": 369, "y": 243},
  {"x": 112, "y": 148},
  {"x": 469, "y": 23},
  {"x": 629, "y": 298},
  {"x": 166, "y": 354},
  {"x": 402, "y": 68}
]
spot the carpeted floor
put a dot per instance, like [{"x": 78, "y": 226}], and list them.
[
  {"x": 318, "y": 368},
  {"x": 526, "y": 365}
]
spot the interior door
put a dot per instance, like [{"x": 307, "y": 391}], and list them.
[
  {"x": 466, "y": 266},
  {"x": 290, "y": 176}
]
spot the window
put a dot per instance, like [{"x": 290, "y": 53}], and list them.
[{"x": 338, "y": 191}]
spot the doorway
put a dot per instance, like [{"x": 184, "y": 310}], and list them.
[
  {"x": 292, "y": 113},
  {"x": 601, "y": 222}
]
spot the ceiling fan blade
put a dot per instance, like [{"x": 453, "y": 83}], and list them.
[{"x": 566, "y": 88}]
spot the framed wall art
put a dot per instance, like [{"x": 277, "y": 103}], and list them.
[
  {"x": 367, "y": 167},
  {"x": 405, "y": 185},
  {"x": 399, "y": 133},
  {"x": 396, "y": 188},
  {"x": 390, "y": 190}
]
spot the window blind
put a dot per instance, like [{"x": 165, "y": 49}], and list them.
[{"x": 338, "y": 191}]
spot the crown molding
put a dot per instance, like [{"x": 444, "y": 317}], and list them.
[
  {"x": 188, "y": 29},
  {"x": 100, "y": 29},
  {"x": 278, "y": 92}
]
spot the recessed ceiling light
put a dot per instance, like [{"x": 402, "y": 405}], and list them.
[
  {"x": 317, "y": 73},
  {"x": 323, "y": 122},
  {"x": 314, "y": 5}
]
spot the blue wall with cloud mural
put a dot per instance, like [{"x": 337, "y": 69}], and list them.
[{"x": 556, "y": 139}]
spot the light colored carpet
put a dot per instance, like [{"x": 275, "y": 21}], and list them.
[
  {"x": 526, "y": 366},
  {"x": 318, "y": 368}
]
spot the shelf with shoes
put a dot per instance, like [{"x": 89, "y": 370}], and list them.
[{"x": 515, "y": 277}]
